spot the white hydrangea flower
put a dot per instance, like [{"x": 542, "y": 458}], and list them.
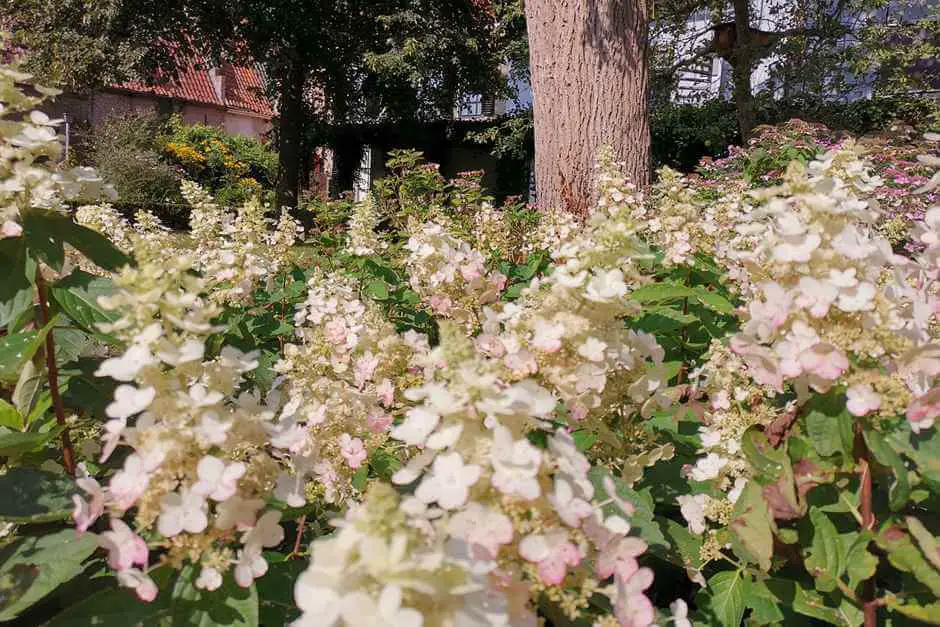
[{"x": 448, "y": 483}]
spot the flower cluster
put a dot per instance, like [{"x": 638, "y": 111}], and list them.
[
  {"x": 823, "y": 302},
  {"x": 238, "y": 251},
  {"x": 363, "y": 239},
  {"x": 29, "y": 140},
  {"x": 506, "y": 519},
  {"x": 197, "y": 476},
  {"x": 343, "y": 382},
  {"x": 450, "y": 277},
  {"x": 147, "y": 238}
]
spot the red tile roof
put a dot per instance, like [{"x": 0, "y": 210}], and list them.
[{"x": 243, "y": 87}]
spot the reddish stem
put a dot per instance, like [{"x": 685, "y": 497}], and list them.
[
  {"x": 869, "y": 602},
  {"x": 300, "y": 534},
  {"x": 52, "y": 370}
]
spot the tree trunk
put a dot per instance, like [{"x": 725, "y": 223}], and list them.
[
  {"x": 290, "y": 135},
  {"x": 588, "y": 61},
  {"x": 742, "y": 64}
]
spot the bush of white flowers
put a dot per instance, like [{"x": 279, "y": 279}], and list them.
[{"x": 689, "y": 408}]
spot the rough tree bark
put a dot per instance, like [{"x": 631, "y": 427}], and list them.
[
  {"x": 290, "y": 135},
  {"x": 588, "y": 60},
  {"x": 742, "y": 64}
]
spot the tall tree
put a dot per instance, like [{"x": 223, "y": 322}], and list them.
[
  {"x": 809, "y": 48},
  {"x": 329, "y": 62},
  {"x": 588, "y": 62}
]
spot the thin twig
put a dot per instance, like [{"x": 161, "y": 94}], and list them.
[
  {"x": 52, "y": 370},
  {"x": 869, "y": 602},
  {"x": 300, "y": 534}
]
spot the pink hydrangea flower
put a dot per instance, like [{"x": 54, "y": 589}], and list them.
[
  {"x": 352, "y": 450},
  {"x": 553, "y": 554},
  {"x": 924, "y": 410},
  {"x": 125, "y": 548}
]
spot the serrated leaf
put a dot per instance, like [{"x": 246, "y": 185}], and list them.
[
  {"x": 925, "y": 540},
  {"x": 10, "y": 417},
  {"x": 15, "y": 443},
  {"x": 885, "y": 455},
  {"x": 906, "y": 556},
  {"x": 826, "y": 558},
  {"x": 77, "y": 295},
  {"x": 57, "y": 557},
  {"x": 829, "y": 426},
  {"x": 752, "y": 528},
  {"x": 28, "y": 387},
  {"x": 661, "y": 292},
  {"x": 18, "y": 271},
  {"x": 230, "y": 604},
  {"x": 713, "y": 301},
  {"x": 808, "y": 602},
  {"x": 376, "y": 290},
  {"x": 687, "y": 545},
  {"x": 642, "y": 519},
  {"x": 17, "y": 349},
  {"x": 35, "y": 496},
  {"x": 928, "y": 613},
  {"x": 120, "y": 606},
  {"x": 860, "y": 563},
  {"x": 46, "y": 231},
  {"x": 765, "y": 608},
  {"x": 40, "y": 230},
  {"x": 276, "y": 592},
  {"x": 724, "y": 597}
]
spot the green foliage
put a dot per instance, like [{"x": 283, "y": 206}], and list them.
[
  {"x": 40, "y": 564},
  {"x": 233, "y": 168},
  {"x": 128, "y": 151}
]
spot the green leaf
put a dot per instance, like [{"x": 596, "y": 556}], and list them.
[
  {"x": 229, "y": 605},
  {"x": 15, "y": 443},
  {"x": 87, "y": 393},
  {"x": 56, "y": 558},
  {"x": 120, "y": 606},
  {"x": 912, "y": 608},
  {"x": 826, "y": 558},
  {"x": 906, "y": 556},
  {"x": 13, "y": 309},
  {"x": 276, "y": 591},
  {"x": 642, "y": 519},
  {"x": 686, "y": 544},
  {"x": 860, "y": 563},
  {"x": 829, "y": 426},
  {"x": 805, "y": 601},
  {"x": 764, "y": 605},
  {"x": 724, "y": 597},
  {"x": 35, "y": 496},
  {"x": 77, "y": 295},
  {"x": 752, "y": 527},
  {"x": 925, "y": 540},
  {"x": 661, "y": 292},
  {"x": 28, "y": 387},
  {"x": 376, "y": 290},
  {"x": 10, "y": 417},
  {"x": 46, "y": 231},
  {"x": 360, "y": 478},
  {"x": 584, "y": 439},
  {"x": 18, "y": 271},
  {"x": 17, "y": 349},
  {"x": 40, "y": 230},
  {"x": 674, "y": 315},
  {"x": 714, "y": 301},
  {"x": 923, "y": 449},
  {"x": 885, "y": 455}
]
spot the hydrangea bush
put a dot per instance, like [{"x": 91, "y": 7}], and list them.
[{"x": 712, "y": 402}]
